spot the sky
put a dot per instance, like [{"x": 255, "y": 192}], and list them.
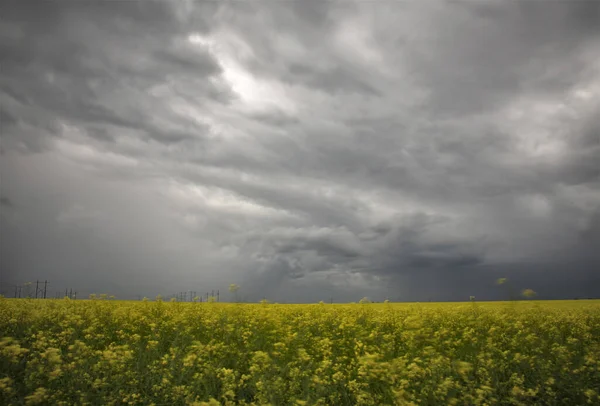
[{"x": 303, "y": 150}]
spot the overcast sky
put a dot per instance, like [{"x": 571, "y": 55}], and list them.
[{"x": 303, "y": 150}]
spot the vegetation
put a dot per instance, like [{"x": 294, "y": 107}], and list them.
[
  {"x": 233, "y": 288},
  {"x": 162, "y": 353}
]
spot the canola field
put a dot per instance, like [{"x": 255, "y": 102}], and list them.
[{"x": 103, "y": 352}]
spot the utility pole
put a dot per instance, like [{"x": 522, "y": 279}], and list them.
[
  {"x": 217, "y": 295},
  {"x": 66, "y": 292},
  {"x": 207, "y": 296},
  {"x": 37, "y": 284},
  {"x": 45, "y": 286},
  {"x": 71, "y": 294}
]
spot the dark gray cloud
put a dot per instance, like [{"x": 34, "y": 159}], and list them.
[
  {"x": 488, "y": 52},
  {"x": 5, "y": 201},
  {"x": 305, "y": 150}
]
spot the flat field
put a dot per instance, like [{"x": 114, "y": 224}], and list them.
[{"x": 101, "y": 352}]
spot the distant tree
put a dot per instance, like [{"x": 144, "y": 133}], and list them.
[
  {"x": 364, "y": 300},
  {"x": 509, "y": 289},
  {"x": 528, "y": 293},
  {"x": 233, "y": 288}
]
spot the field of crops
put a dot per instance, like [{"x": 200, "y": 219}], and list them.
[{"x": 110, "y": 352}]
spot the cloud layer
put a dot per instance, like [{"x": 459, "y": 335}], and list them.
[{"x": 304, "y": 150}]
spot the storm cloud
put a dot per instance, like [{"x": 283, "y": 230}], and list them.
[{"x": 304, "y": 150}]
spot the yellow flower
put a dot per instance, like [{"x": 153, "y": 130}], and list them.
[{"x": 38, "y": 397}]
